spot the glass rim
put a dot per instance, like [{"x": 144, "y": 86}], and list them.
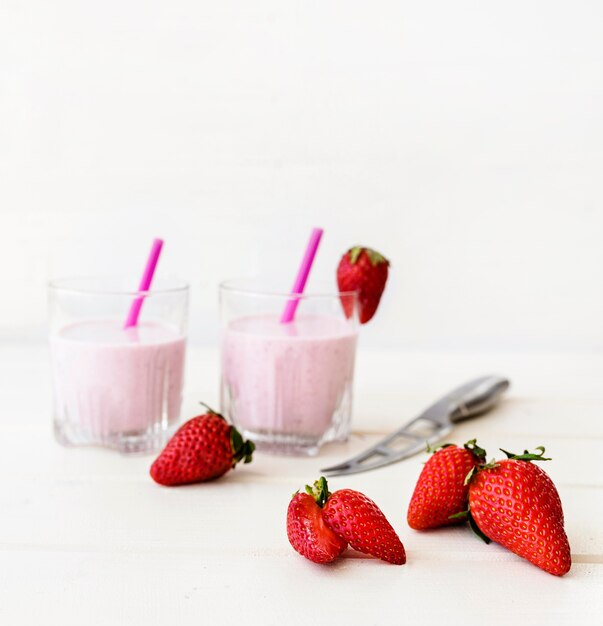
[
  {"x": 62, "y": 285},
  {"x": 229, "y": 286}
]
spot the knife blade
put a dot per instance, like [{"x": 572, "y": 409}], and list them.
[{"x": 471, "y": 399}]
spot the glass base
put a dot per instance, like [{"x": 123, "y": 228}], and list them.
[
  {"x": 275, "y": 441},
  {"x": 136, "y": 442},
  {"x": 290, "y": 445}
]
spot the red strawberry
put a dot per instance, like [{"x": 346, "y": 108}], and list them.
[
  {"x": 360, "y": 522},
  {"x": 205, "y": 447},
  {"x": 516, "y": 504},
  {"x": 365, "y": 271},
  {"x": 308, "y": 533},
  {"x": 441, "y": 492}
]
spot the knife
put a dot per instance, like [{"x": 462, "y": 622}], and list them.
[{"x": 469, "y": 400}]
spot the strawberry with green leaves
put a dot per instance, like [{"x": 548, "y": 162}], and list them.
[
  {"x": 203, "y": 448},
  {"x": 364, "y": 271},
  {"x": 307, "y": 531},
  {"x": 514, "y": 503},
  {"x": 441, "y": 493},
  {"x": 346, "y": 515}
]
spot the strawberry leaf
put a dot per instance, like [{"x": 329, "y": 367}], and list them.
[
  {"x": 527, "y": 456},
  {"x": 374, "y": 257},
  {"x": 354, "y": 254},
  {"x": 320, "y": 491},
  {"x": 470, "y": 475},
  {"x": 478, "y": 468},
  {"x": 433, "y": 449},
  {"x": 476, "y": 529},
  {"x": 241, "y": 450},
  {"x": 211, "y": 411},
  {"x": 478, "y": 453},
  {"x": 248, "y": 449},
  {"x": 460, "y": 515},
  {"x": 236, "y": 440}
]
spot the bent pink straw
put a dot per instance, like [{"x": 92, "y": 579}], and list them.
[
  {"x": 145, "y": 283},
  {"x": 302, "y": 275}
]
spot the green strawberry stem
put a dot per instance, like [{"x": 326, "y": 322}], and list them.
[
  {"x": 374, "y": 257},
  {"x": 210, "y": 410},
  {"x": 478, "y": 453},
  {"x": 527, "y": 456},
  {"x": 471, "y": 446},
  {"x": 433, "y": 449},
  {"x": 241, "y": 450},
  {"x": 320, "y": 491}
]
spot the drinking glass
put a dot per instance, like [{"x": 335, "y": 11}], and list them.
[
  {"x": 288, "y": 386},
  {"x": 114, "y": 386}
]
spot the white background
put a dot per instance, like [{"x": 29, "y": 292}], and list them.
[{"x": 462, "y": 139}]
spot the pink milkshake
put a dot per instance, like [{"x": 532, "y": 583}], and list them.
[
  {"x": 289, "y": 386},
  {"x": 114, "y": 386}
]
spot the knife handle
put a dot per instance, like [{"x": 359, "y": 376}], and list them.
[{"x": 477, "y": 397}]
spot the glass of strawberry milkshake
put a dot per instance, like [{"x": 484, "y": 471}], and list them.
[
  {"x": 116, "y": 386},
  {"x": 288, "y": 386}
]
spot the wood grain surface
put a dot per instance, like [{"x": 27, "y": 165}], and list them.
[{"x": 87, "y": 538}]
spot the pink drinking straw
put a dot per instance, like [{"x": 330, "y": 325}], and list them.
[
  {"x": 145, "y": 283},
  {"x": 302, "y": 275}
]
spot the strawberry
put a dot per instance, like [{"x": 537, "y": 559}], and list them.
[
  {"x": 308, "y": 533},
  {"x": 516, "y": 504},
  {"x": 346, "y": 516},
  {"x": 205, "y": 447},
  {"x": 365, "y": 271},
  {"x": 358, "y": 520},
  {"x": 441, "y": 493}
]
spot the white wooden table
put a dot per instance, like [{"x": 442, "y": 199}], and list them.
[{"x": 87, "y": 538}]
